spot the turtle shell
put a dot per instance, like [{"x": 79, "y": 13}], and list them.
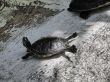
[
  {"x": 86, "y": 5},
  {"x": 49, "y": 46}
]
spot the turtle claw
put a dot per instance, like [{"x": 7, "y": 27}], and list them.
[
  {"x": 68, "y": 58},
  {"x": 72, "y": 49},
  {"x": 26, "y": 56},
  {"x": 70, "y": 9}
]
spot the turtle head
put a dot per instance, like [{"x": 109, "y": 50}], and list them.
[{"x": 26, "y": 43}]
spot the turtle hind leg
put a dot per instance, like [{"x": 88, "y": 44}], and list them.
[
  {"x": 27, "y": 56},
  {"x": 72, "y": 49},
  {"x": 85, "y": 14}
]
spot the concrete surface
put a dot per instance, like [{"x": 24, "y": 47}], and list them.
[{"x": 91, "y": 63}]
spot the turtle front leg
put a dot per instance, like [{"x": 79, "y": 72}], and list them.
[
  {"x": 27, "y": 56},
  {"x": 85, "y": 14}
]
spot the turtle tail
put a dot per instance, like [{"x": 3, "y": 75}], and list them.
[
  {"x": 26, "y": 42},
  {"x": 72, "y": 36}
]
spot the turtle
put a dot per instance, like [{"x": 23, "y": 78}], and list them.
[
  {"x": 47, "y": 47},
  {"x": 85, "y": 7}
]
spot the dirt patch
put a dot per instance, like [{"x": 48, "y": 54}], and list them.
[{"x": 25, "y": 15}]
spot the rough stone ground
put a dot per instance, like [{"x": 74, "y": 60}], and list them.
[{"x": 91, "y": 63}]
